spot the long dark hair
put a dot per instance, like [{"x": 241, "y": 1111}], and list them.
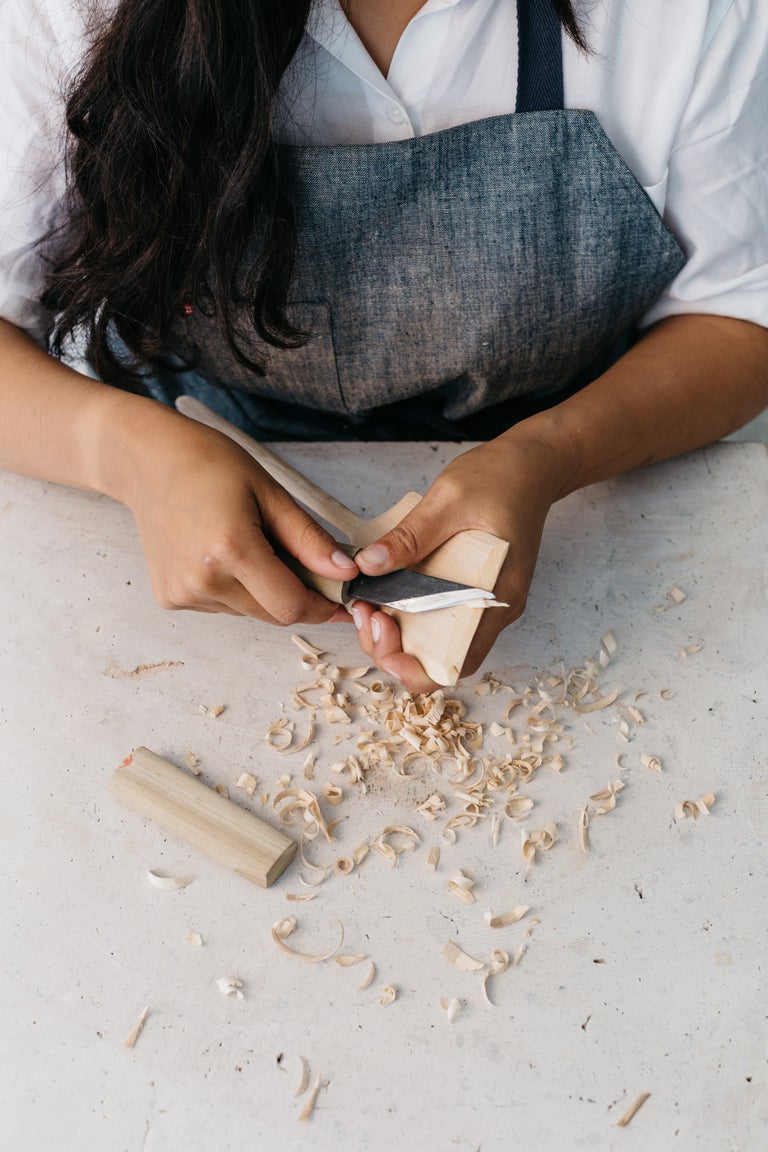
[{"x": 171, "y": 164}]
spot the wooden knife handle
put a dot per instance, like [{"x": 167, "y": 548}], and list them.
[
  {"x": 333, "y": 590},
  {"x": 298, "y": 485}
]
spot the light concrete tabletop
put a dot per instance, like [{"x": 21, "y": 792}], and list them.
[{"x": 645, "y": 973}]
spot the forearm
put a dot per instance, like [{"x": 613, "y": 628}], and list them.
[
  {"x": 688, "y": 381},
  {"x": 59, "y": 425}
]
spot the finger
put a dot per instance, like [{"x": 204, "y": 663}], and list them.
[
  {"x": 290, "y": 526},
  {"x": 425, "y": 528},
  {"x": 270, "y": 591},
  {"x": 408, "y": 671},
  {"x": 388, "y": 653},
  {"x": 361, "y": 614}
]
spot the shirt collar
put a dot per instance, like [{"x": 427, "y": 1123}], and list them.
[{"x": 329, "y": 27}]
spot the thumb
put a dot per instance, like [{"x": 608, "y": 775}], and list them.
[{"x": 417, "y": 534}]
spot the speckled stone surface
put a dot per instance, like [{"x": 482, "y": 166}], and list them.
[{"x": 645, "y": 974}]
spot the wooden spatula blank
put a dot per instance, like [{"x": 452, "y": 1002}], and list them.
[{"x": 439, "y": 640}]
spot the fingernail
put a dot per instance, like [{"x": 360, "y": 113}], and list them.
[
  {"x": 356, "y": 615},
  {"x": 375, "y": 629},
  {"x": 341, "y": 560},
  {"x": 375, "y": 555}
]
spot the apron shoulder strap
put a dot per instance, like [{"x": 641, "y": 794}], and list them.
[{"x": 539, "y": 57}]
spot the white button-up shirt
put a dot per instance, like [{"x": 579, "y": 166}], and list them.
[{"x": 679, "y": 86}]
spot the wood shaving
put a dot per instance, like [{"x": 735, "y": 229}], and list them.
[
  {"x": 368, "y": 980},
  {"x": 533, "y": 842},
  {"x": 432, "y": 806},
  {"x": 405, "y": 840},
  {"x": 306, "y": 648},
  {"x": 461, "y": 959},
  {"x": 309, "y": 1107},
  {"x": 284, "y": 928},
  {"x": 300, "y": 897},
  {"x": 388, "y": 995},
  {"x": 223, "y": 791},
  {"x": 601, "y": 702},
  {"x": 633, "y": 1109},
  {"x": 498, "y": 963},
  {"x": 689, "y": 650},
  {"x": 304, "y": 803},
  {"x": 280, "y": 734},
  {"x": 433, "y": 858},
  {"x": 194, "y": 938},
  {"x": 606, "y": 797},
  {"x": 115, "y": 672},
  {"x": 337, "y": 715},
  {"x": 305, "y": 742},
  {"x": 246, "y": 781},
  {"x": 333, "y": 793},
  {"x": 304, "y": 1078},
  {"x": 676, "y": 595},
  {"x": 666, "y": 694},
  {"x": 216, "y": 710},
  {"x": 230, "y": 987},
  {"x": 349, "y": 961},
  {"x": 191, "y": 762},
  {"x": 353, "y": 673},
  {"x": 608, "y": 642},
  {"x": 519, "y": 955},
  {"x": 583, "y": 828},
  {"x": 692, "y": 809},
  {"x": 651, "y": 762},
  {"x": 316, "y": 881},
  {"x": 507, "y": 918},
  {"x": 461, "y": 886},
  {"x": 529, "y": 930},
  {"x": 517, "y": 807},
  {"x": 135, "y": 1032},
  {"x": 308, "y": 767},
  {"x": 344, "y": 865},
  {"x": 359, "y": 853},
  {"x": 166, "y": 881},
  {"x": 451, "y": 1008}
]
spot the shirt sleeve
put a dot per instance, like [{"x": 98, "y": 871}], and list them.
[
  {"x": 36, "y": 41},
  {"x": 717, "y": 191}
]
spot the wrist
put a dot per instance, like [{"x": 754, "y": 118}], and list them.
[
  {"x": 553, "y": 450},
  {"x": 123, "y": 432}
]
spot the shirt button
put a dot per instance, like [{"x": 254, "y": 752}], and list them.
[{"x": 395, "y": 114}]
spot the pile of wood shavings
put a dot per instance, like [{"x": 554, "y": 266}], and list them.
[{"x": 418, "y": 738}]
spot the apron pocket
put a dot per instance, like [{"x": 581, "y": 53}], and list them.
[{"x": 305, "y": 375}]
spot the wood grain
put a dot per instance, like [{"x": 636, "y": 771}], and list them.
[{"x": 186, "y": 806}]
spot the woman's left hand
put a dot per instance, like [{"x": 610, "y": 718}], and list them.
[{"x": 505, "y": 487}]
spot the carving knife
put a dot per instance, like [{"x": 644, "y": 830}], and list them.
[{"x": 402, "y": 591}]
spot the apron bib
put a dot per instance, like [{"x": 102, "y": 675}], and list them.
[{"x": 452, "y": 283}]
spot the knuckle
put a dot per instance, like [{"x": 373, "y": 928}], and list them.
[
  {"x": 288, "y": 613},
  {"x": 448, "y": 489},
  {"x": 404, "y": 538},
  {"x": 223, "y": 552},
  {"x": 312, "y": 536}
]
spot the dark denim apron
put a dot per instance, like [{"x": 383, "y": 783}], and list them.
[{"x": 453, "y": 283}]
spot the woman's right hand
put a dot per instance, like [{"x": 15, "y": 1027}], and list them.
[{"x": 209, "y": 517}]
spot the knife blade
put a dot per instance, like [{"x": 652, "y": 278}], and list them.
[
  {"x": 403, "y": 590},
  {"x": 407, "y": 591}
]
